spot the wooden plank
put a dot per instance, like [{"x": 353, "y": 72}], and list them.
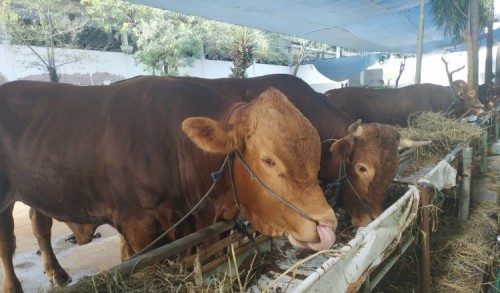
[
  {"x": 210, "y": 267},
  {"x": 162, "y": 253},
  {"x": 215, "y": 248}
]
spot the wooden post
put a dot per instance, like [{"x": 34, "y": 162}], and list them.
[
  {"x": 497, "y": 128},
  {"x": 424, "y": 244},
  {"x": 484, "y": 155},
  {"x": 464, "y": 198}
]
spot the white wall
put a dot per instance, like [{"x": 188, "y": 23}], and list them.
[
  {"x": 433, "y": 68},
  {"x": 14, "y": 59}
]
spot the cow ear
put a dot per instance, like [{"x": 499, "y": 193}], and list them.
[
  {"x": 210, "y": 135},
  {"x": 342, "y": 148}
]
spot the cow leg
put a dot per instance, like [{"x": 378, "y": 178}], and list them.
[
  {"x": 11, "y": 283},
  {"x": 137, "y": 232},
  {"x": 126, "y": 251},
  {"x": 41, "y": 226}
]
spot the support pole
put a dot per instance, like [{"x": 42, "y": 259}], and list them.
[
  {"x": 424, "y": 244},
  {"x": 484, "y": 155},
  {"x": 464, "y": 198},
  {"x": 420, "y": 43},
  {"x": 497, "y": 128}
]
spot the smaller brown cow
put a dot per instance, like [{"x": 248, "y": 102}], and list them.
[
  {"x": 394, "y": 106},
  {"x": 488, "y": 94}
]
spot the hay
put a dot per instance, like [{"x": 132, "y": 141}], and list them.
[
  {"x": 462, "y": 251},
  {"x": 460, "y": 254},
  {"x": 445, "y": 134},
  {"x": 170, "y": 276}
]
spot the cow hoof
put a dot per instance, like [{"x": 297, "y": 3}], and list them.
[
  {"x": 71, "y": 238},
  {"x": 61, "y": 279}
]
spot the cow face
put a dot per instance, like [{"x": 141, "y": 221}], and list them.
[
  {"x": 282, "y": 148},
  {"x": 469, "y": 103},
  {"x": 370, "y": 154}
]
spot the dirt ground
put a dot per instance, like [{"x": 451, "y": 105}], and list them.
[{"x": 78, "y": 261}]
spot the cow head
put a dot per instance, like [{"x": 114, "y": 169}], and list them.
[
  {"x": 468, "y": 103},
  {"x": 282, "y": 148},
  {"x": 488, "y": 95},
  {"x": 370, "y": 156}
]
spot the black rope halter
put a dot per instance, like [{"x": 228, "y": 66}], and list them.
[
  {"x": 279, "y": 198},
  {"x": 333, "y": 190}
]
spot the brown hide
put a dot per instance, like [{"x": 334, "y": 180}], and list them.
[
  {"x": 394, "y": 106},
  {"x": 371, "y": 159},
  {"x": 130, "y": 154}
]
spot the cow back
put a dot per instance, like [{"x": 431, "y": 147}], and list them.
[{"x": 391, "y": 106}]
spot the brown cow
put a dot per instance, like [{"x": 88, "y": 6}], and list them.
[
  {"x": 368, "y": 152},
  {"x": 138, "y": 155},
  {"x": 394, "y": 106},
  {"x": 488, "y": 94}
]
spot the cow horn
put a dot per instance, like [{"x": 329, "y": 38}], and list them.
[
  {"x": 407, "y": 143},
  {"x": 356, "y": 129}
]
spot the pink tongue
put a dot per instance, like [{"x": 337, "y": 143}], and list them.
[{"x": 327, "y": 237}]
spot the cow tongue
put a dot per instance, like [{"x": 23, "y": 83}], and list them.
[{"x": 326, "y": 235}]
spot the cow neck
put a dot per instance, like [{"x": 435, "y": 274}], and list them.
[
  {"x": 233, "y": 113},
  {"x": 215, "y": 178}
]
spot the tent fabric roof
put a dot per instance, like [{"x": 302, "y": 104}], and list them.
[
  {"x": 340, "y": 69},
  {"x": 389, "y": 26},
  {"x": 366, "y": 25}
]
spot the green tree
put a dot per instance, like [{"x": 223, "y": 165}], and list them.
[
  {"x": 160, "y": 40},
  {"x": 45, "y": 23},
  {"x": 118, "y": 17},
  {"x": 166, "y": 41},
  {"x": 456, "y": 19},
  {"x": 242, "y": 52},
  {"x": 239, "y": 44}
]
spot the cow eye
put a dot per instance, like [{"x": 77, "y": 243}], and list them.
[
  {"x": 362, "y": 169},
  {"x": 269, "y": 162}
]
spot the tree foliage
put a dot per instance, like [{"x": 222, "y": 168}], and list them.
[
  {"x": 161, "y": 40},
  {"x": 451, "y": 16},
  {"x": 44, "y": 23},
  {"x": 165, "y": 42},
  {"x": 242, "y": 53},
  {"x": 455, "y": 18}
]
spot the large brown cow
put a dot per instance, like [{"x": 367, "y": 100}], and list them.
[
  {"x": 138, "y": 155},
  {"x": 368, "y": 153},
  {"x": 394, "y": 106}
]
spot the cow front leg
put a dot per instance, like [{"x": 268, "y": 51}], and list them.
[
  {"x": 41, "y": 226},
  {"x": 126, "y": 251},
  {"x": 11, "y": 283}
]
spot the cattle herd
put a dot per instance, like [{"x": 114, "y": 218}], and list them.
[{"x": 153, "y": 154}]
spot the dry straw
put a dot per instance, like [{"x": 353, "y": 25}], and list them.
[{"x": 445, "y": 134}]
